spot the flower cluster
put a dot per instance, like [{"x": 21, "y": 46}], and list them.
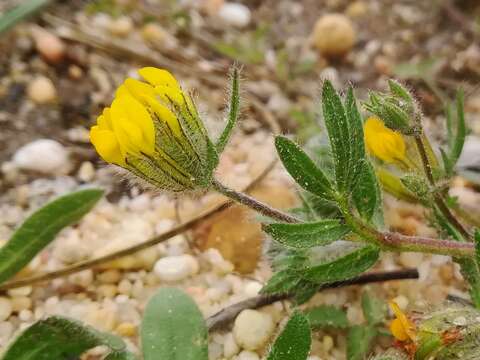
[{"x": 153, "y": 130}]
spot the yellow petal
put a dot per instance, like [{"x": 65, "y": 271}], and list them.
[
  {"x": 384, "y": 143},
  {"x": 133, "y": 125},
  {"x": 138, "y": 89},
  {"x": 104, "y": 121},
  {"x": 107, "y": 146},
  {"x": 397, "y": 330},
  {"x": 164, "y": 114},
  {"x": 169, "y": 94},
  {"x": 157, "y": 76},
  {"x": 408, "y": 326}
]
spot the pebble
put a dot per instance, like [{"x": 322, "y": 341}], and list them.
[
  {"x": 175, "y": 268},
  {"x": 50, "y": 46},
  {"x": 121, "y": 26},
  {"x": 411, "y": 259},
  {"x": 21, "y": 291},
  {"x": 333, "y": 35},
  {"x": 253, "y": 329},
  {"x": 248, "y": 355},
  {"x": 6, "y": 330},
  {"x": 21, "y": 303},
  {"x": 230, "y": 347},
  {"x": 42, "y": 155},
  {"x": 41, "y": 90},
  {"x": 153, "y": 33},
  {"x": 5, "y": 308},
  {"x": 86, "y": 172},
  {"x": 235, "y": 14}
]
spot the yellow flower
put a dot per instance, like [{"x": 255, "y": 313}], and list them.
[
  {"x": 402, "y": 328},
  {"x": 153, "y": 130},
  {"x": 384, "y": 143}
]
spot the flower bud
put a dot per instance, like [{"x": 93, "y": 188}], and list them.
[
  {"x": 153, "y": 130},
  {"x": 397, "y": 108}
]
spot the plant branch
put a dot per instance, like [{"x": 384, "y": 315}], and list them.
[
  {"x": 399, "y": 242},
  {"x": 133, "y": 249},
  {"x": 253, "y": 203},
  {"x": 226, "y": 315},
  {"x": 439, "y": 201}
]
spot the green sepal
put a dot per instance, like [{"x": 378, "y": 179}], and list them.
[{"x": 233, "y": 110}]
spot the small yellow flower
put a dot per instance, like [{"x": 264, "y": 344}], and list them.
[
  {"x": 384, "y": 143},
  {"x": 402, "y": 328},
  {"x": 153, "y": 130}
]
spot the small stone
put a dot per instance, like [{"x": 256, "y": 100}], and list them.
[
  {"x": 41, "y": 90},
  {"x": 125, "y": 287},
  {"x": 21, "y": 291},
  {"x": 357, "y": 9},
  {"x": 248, "y": 355},
  {"x": 83, "y": 278},
  {"x": 252, "y": 288},
  {"x": 460, "y": 321},
  {"x": 25, "y": 315},
  {"x": 175, "y": 268},
  {"x": 42, "y": 155},
  {"x": 327, "y": 343},
  {"x": 121, "y": 26},
  {"x": 50, "y": 46},
  {"x": 153, "y": 33},
  {"x": 86, "y": 172},
  {"x": 109, "y": 277},
  {"x": 235, "y": 14},
  {"x": 21, "y": 303},
  {"x": 6, "y": 331},
  {"x": 230, "y": 347},
  {"x": 411, "y": 259},
  {"x": 253, "y": 329},
  {"x": 107, "y": 290},
  {"x": 333, "y": 35},
  {"x": 5, "y": 308},
  {"x": 126, "y": 329}
]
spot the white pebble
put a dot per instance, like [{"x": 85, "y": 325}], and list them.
[
  {"x": 176, "y": 268},
  {"x": 42, "y": 155},
  {"x": 41, "y": 90},
  {"x": 86, "y": 172},
  {"x": 121, "y": 26},
  {"x": 230, "y": 347},
  {"x": 6, "y": 330},
  {"x": 21, "y": 291},
  {"x": 248, "y": 355},
  {"x": 253, "y": 288},
  {"x": 5, "y": 308},
  {"x": 253, "y": 329},
  {"x": 235, "y": 14}
]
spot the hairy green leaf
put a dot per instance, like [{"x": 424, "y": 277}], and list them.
[
  {"x": 233, "y": 111},
  {"x": 38, "y": 230},
  {"x": 366, "y": 192},
  {"x": 357, "y": 145},
  {"x": 374, "y": 309},
  {"x": 302, "y": 168},
  {"x": 338, "y": 132},
  {"x": 57, "y": 338},
  {"x": 327, "y": 316},
  {"x": 359, "y": 341},
  {"x": 344, "y": 267},
  {"x": 307, "y": 235},
  {"x": 294, "y": 341},
  {"x": 282, "y": 282},
  {"x": 173, "y": 328}
]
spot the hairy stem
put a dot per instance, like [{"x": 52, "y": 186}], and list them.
[
  {"x": 439, "y": 201},
  {"x": 253, "y": 203}
]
